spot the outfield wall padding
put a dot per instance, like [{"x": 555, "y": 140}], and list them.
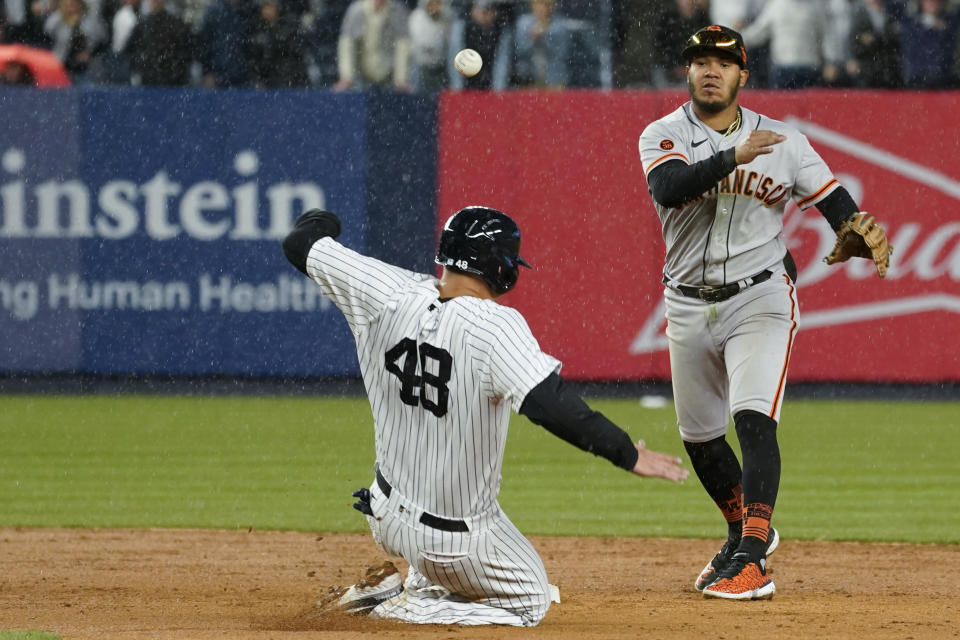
[{"x": 140, "y": 229}]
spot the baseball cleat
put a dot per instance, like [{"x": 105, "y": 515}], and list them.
[
  {"x": 742, "y": 579},
  {"x": 378, "y": 584},
  {"x": 712, "y": 571}
]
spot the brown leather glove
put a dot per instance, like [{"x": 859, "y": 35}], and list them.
[{"x": 860, "y": 237}]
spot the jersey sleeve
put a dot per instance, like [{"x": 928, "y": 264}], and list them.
[
  {"x": 358, "y": 285},
  {"x": 517, "y": 364},
  {"x": 814, "y": 180},
  {"x": 659, "y": 144}
]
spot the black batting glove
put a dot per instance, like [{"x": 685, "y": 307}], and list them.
[
  {"x": 325, "y": 223},
  {"x": 309, "y": 227},
  {"x": 363, "y": 503}
]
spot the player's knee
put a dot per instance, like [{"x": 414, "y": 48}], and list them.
[
  {"x": 536, "y": 609},
  {"x": 706, "y": 450},
  {"x": 753, "y": 423},
  {"x": 537, "y": 600},
  {"x": 702, "y": 435},
  {"x": 756, "y": 432}
]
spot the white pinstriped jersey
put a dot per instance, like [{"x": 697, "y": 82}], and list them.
[
  {"x": 734, "y": 230},
  {"x": 442, "y": 377}
]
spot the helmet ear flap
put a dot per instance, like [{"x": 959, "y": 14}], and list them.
[
  {"x": 508, "y": 272},
  {"x": 508, "y": 277}
]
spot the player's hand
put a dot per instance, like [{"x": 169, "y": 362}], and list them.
[
  {"x": 653, "y": 464},
  {"x": 759, "y": 142}
]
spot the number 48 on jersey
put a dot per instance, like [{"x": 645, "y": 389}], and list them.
[{"x": 416, "y": 374}]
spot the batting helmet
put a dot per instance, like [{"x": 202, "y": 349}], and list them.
[
  {"x": 714, "y": 40},
  {"x": 483, "y": 242}
]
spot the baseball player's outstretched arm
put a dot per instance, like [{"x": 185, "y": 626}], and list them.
[
  {"x": 563, "y": 413},
  {"x": 675, "y": 182}
]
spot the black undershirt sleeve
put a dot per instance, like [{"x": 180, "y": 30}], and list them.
[
  {"x": 675, "y": 183},
  {"x": 564, "y": 414},
  {"x": 309, "y": 227},
  {"x": 837, "y": 207}
]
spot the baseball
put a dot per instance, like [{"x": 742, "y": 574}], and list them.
[{"x": 468, "y": 63}]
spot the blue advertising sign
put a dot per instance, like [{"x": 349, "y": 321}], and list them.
[{"x": 141, "y": 230}]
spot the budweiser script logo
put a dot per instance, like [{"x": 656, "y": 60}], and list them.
[{"x": 924, "y": 251}]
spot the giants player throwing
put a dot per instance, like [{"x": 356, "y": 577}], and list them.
[
  {"x": 443, "y": 365},
  {"x": 720, "y": 176}
]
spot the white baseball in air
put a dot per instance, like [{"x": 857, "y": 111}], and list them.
[{"x": 468, "y": 63}]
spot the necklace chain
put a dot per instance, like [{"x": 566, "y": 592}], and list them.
[{"x": 734, "y": 125}]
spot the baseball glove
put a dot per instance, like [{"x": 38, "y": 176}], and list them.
[{"x": 860, "y": 237}]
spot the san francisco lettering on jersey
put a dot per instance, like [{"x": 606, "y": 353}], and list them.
[
  {"x": 758, "y": 186},
  {"x": 733, "y": 230}
]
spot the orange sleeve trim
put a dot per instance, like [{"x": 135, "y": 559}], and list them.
[
  {"x": 786, "y": 360},
  {"x": 810, "y": 199},
  {"x": 666, "y": 157}
]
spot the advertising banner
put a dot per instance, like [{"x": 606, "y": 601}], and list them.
[
  {"x": 566, "y": 166},
  {"x": 141, "y": 230}
]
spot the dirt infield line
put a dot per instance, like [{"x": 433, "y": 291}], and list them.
[{"x": 201, "y": 584}]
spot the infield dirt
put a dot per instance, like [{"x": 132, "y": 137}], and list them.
[{"x": 200, "y": 584}]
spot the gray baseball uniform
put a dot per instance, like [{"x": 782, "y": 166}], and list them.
[
  {"x": 731, "y": 354},
  {"x": 442, "y": 377}
]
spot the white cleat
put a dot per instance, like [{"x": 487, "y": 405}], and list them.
[{"x": 380, "y": 583}]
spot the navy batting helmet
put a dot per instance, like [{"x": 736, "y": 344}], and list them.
[{"x": 483, "y": 242}]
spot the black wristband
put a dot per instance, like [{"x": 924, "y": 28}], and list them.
[{"x": 837, "y": 207}]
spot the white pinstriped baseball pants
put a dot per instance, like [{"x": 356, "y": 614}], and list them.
[{"x": 488, "y": 575}]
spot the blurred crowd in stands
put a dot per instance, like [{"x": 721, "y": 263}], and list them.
[{"x": 408, "y": 45}]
